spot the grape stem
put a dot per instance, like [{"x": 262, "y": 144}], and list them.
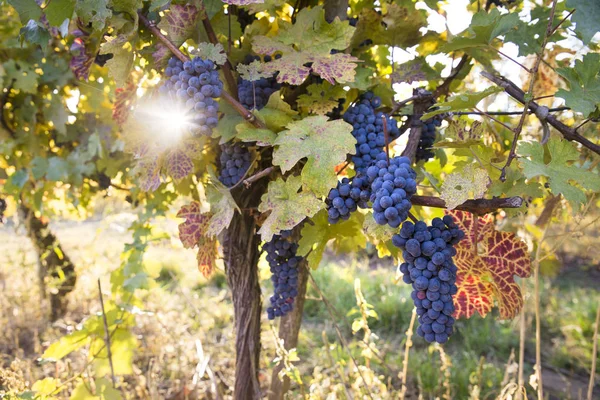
[
  {"x": 412, "y": 217},
  {"x": 237, "y": 106},
  {"x": 248, "y": 182},
  {"x": 478, "y": 206}
]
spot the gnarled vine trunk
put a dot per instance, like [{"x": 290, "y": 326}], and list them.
[
  {"x": 53, "y": 263},
  {"x": 289, "y": 329},
  {"x": 241, "y": 249}
]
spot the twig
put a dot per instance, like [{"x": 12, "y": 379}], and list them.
[
  {"x": 402, "y": 103},
  {"x": 248, "y": 182},
  {"x": 528, "y": 99},
  {"x": 444, "y": 88},
  {"x": 237, "y": 106},
  {"x": 407, "y": 347},
  {"x": 556, "y": 109},
  {"x": 594, "y": 354},
  {"x": 562, "y": 21},
  {"x": 421, "y": 104},
  {"x": 515, "y": 92},
  {"x": 493, "y": 119},
  {"x": 346, "y": 164},
  {"x": 510, "y": 58},
  {"x": 107, "y": 333},
  {"x": 582, "y": 124},
  {"x": 480, "y": 206}
]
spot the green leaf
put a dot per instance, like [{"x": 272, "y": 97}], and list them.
[
  {"x": 27, "y": 9},
  {"x": 529, "y": 36},
  {"x": 104, "y": 391},
  {"x": 315, "y": 236},
  {"x": 380, "y": 235},
  {"x": 214, "y": 52},
  {"x": 515, "y": 185},
  {"x": 321, "y": 98},
  {"x": 584, "y": 84},
  {"x": 560, "y": 171},
  {"x": 287, "y": 206},
  {"x": 23, "y": 76},
  {"x": 277, "y": 113},
  {"x": 586, "y": 17},
  {"x": 460, "y": 186},
  {"x": 323, "y": 143},
  {"x": 59, "y": 10},
  {"x": 404, "y": 22},
  {"x": 222, "y": 206},
  {"x": 39, "y": 167},
  {"x": 18, "y": 179},
  {"x": 35, "y": 33},
  {"x": 464, "y": 101},
  {"x": 248, "y": 133},
  {"x": 57, "y": 113},
  {"x": 66, "y": 345},
  {"x": 58, "y": 169},
  {"x": 122, "y": 345},
  {"x": 226, "y": 128},
  {"x": 95, "y": 12},
  {"x": 120, "y": 65},
  {"x": 484, "y": 28},
  {"x": 312, "y": 32}
]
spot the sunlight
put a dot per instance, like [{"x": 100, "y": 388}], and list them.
[{"x": 164, "y": 124}]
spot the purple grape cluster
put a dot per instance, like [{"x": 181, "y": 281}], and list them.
[
  {"x": 194, "y": 85},
  {"x": 283, "y": 262},
  {"x": 428, "y": 266},
  {"x": 393, "y": 184},
  {"x": 257, "y": 96},
  {"x": 428, "y": 135},
  {"x": 347, "y": 196},
  {"x": 367, "y": 128},
  {"x": 235, "y": 159}
]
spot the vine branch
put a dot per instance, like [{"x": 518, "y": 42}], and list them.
[
  {"x": 479, "y": 206},
  {"x": 237, "y": 106}
]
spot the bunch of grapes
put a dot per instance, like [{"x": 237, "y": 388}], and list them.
[
  {"x": 255, "y": 95},
  {"x": 393, "y": 184},
  {"x": 428, "y": 134},
  {"x": 368, "y": 130},
  {"x": 347, "y": 196},
  {"x": 235, "y": 160},
  {"x": 283, "y": 261},
  {"x": 193, "y": 86},
  {"x": 428, "y": 266}
]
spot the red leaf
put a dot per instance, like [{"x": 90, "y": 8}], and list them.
[
  {"x": 124, "y": 98},
  {"x": 487, "y": 262},
  {"x": 192, "y": 233}
]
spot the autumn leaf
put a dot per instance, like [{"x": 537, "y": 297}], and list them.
[
  {"x": 194, "y": 232},
  {"x": 124, "y": 98},
  {"x": 487, "y": 262},
  {"x": 287, "y": 206},
  {"x": 213, "y": 52},
  {"x": 180, "y": 25},
  {"x": 323, "y": 143},
  {"x": 458, "y": 135},
  {"x": 253, "y": 71},
  {"x": 470, "y": 183},
  {"x": 321, "y": 98}
]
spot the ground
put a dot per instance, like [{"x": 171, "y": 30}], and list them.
[{"x": 185, "y": 329}]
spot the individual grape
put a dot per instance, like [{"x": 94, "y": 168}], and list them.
[
  {"x": 391, "y": 190},
  {"x": 367, "y": 128},
  {"x": 283, "y": 262},
  {"x": 428, "y": 136},
  {"x": 429, "y": 268},
  {"x": 234, "y": 161},
  {"x": 193, "y": 86}
]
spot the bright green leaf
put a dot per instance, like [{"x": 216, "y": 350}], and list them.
[
  {"x": 59, "y": 10},
  {"x": 484, "y": 28},
  {"x": 27, "y": 9},
  {"x": 464, "y": 101},
  {"x": 584, "y": 84}
]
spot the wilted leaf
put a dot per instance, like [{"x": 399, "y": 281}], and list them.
[
  {"x": 124, "y": 98},
  {"x": 460, "y": 135},
  {"x": 222, "y": 208},
  {"x": 321, "y": 98},
  {"x": 470, "y": 183},
  {"x": 287, "y": 206},
  {"x": 487, "y": 262},
  {"x": 323, "y": 143},
  {"x": 213, "y": 52},
  {"x": 253, "y": 71},
  {"x": 194, "y": 232}
]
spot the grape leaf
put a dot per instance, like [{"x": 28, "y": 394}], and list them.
[
  {"x": 287, "y": 206},
  {"x": 222, "y": 208},
  {"x": 586, "y": 17},
  {"x": 457, "y": 135},
  {"x": 484, "y": 28},
  {"x": 58, "y": 10},
  {"x": 323, "y": 143},
  {"x": 312, "y": 33},
  {"x": 369, "y": 27},
  {"x": 23, "y": 76},
  {"x": 35, "y": 33},
  {"x": 530, "y": 35},
  {"x": 411, "y": 71},
  {"x": 515, "y": 185},
  {"x": 404, "y": 23},
  {"x": 95, "y": 12},
  {"x": 461, "y": 102},
  {"x": 27, "y": 9},
  {"x": 124, "y": 99},
  {"x": 56, "y": 112},
  {"x": 458, "y": 186},
  {"x": 559, "y": 170},
  {"x": 277, "y": 113},
  {"x": 321, "y": 98},
  {"x": 317, "y": 235},
  {"x": 194, "y": 232},
  {"x": 209, "y": 51},
  {"x": 248, "y": 133},
  {"x": 487, "y": 262},
  {"x": 148, "y": 169},
  {"x": 253, "y": 71},
  {"x": 104, "y": 391},
  {"x": 119, "y": 66},
  {"x": 340, "y": 67},
  {"x": 180, "y": 25},
  {"x": 584, "y": 84},
  {"x": 380, "y": 236}
]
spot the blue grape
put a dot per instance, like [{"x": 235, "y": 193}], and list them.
[
  {"x": 283, "y": 263},
  {"x": 256, "y": 96},
  {"x": 235, "y": 160},
  {"x": 428, "y": 136},
  {"x": 428, "y": 267},
  {"x": 191, "y": 88}
]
